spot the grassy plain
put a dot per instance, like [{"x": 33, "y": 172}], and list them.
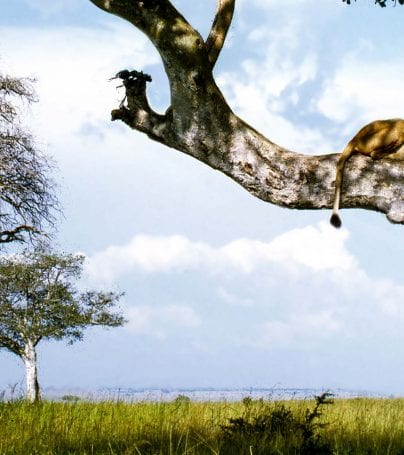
[{"x": 355, "y": 426}]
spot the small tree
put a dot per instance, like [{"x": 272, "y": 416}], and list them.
[
  {"x": 39, "y": 300},
  {"x": 27, "y": 193}
]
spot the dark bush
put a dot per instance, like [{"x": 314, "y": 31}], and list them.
[{"x": 272, "y": 428}]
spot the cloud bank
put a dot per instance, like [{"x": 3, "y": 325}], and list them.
[
  {"x": 302, "y": 289},
  {"x": 315, "y": 248}
]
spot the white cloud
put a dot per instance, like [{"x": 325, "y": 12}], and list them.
[
  {"x": 302, "y": 331},
  {"x": 72, "y": 66},
  {"x": 255, "y": 105},
  {"x": 271, "y": 85},
  {"x": 388, "y": 297},
  {"x": 363, "y": 90},
  {"x": 233, "y": 299},
  {"x": 347, "y": 306},
  {"x": 159, "y": 320},
  {"x": 149, "y": 254},
  {"x": 316, "y": 248},
  {"x": 359, "y": 85},
  {"x": 51, "y": 7},
  {"x": 273, "y": 3},
  {"x": 302, "y": 290}
]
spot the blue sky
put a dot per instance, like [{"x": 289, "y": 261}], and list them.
[{"x": 222, "y": 290}]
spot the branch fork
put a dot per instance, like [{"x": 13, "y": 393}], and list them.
[{"x": 200, "y": 123}]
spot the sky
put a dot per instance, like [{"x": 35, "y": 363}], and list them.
[{"x": 221, "y": 289}]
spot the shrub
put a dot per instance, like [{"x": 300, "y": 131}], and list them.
[{"x": 272, "y": 428}]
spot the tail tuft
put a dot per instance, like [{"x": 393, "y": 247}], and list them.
[{"x": 335, "y": 220}]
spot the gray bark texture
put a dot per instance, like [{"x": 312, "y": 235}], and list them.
[
  {"x": 200, "y": 123},
  {"x": 31, "y": 372}
]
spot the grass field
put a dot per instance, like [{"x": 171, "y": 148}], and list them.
[{"x": 355, "y": 426}]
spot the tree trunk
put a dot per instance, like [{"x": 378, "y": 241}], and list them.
[
  {"x": 200, "y": 123},
  {"x": 31, "y": 373}
]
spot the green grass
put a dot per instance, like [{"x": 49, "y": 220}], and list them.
[{"x": 356, "y": 426}]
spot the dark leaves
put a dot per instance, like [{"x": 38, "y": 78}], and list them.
[
  {"x": 268, "y": 428},
  {"x": 382, "y": 3}
]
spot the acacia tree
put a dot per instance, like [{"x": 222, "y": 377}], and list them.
[
  {"x": 200, "y": 123},
  {"x": 39, "y": 300},
  {"x": 27, "y": 198}
]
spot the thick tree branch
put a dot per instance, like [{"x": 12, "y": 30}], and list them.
[
  {"x": 173, "y": 37},
  {"x": 220, "y": 27},
  {"x": 200, "y": 123},
  {"x": 17, "y": 234},
  {"x": 138, "y": 114}
]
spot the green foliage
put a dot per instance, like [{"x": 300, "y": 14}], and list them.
[
  {"x": 273, "y": 428},
  {"x": 354, "y": 427},
  {"x": 39, "y": 299}
]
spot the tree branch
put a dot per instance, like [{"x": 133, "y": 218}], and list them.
[
  {"x": 200, "y": 123},
  {"x": 17, "y": 234},
  {"x": 172, "y": 35},
  {"x": 220, "y": 27},
  {"x": 26, "y": 190},
  {"x": 11, "y": 345},
  {"x": 137, "y": 113}
]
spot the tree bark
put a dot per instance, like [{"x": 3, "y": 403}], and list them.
[
  {"x": 200, "y": 123},
  {"x": 31, "y": 372}
]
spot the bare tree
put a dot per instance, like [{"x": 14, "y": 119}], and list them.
[
  {"x": 39, "y": 300},
  {"x": 27, "y": 199},
  {"x": 200, "y": 123}
]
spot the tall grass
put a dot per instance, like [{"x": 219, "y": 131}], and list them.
[
  {"x": 367, "y": 426},
  {"x": 357, "y": 426}
]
